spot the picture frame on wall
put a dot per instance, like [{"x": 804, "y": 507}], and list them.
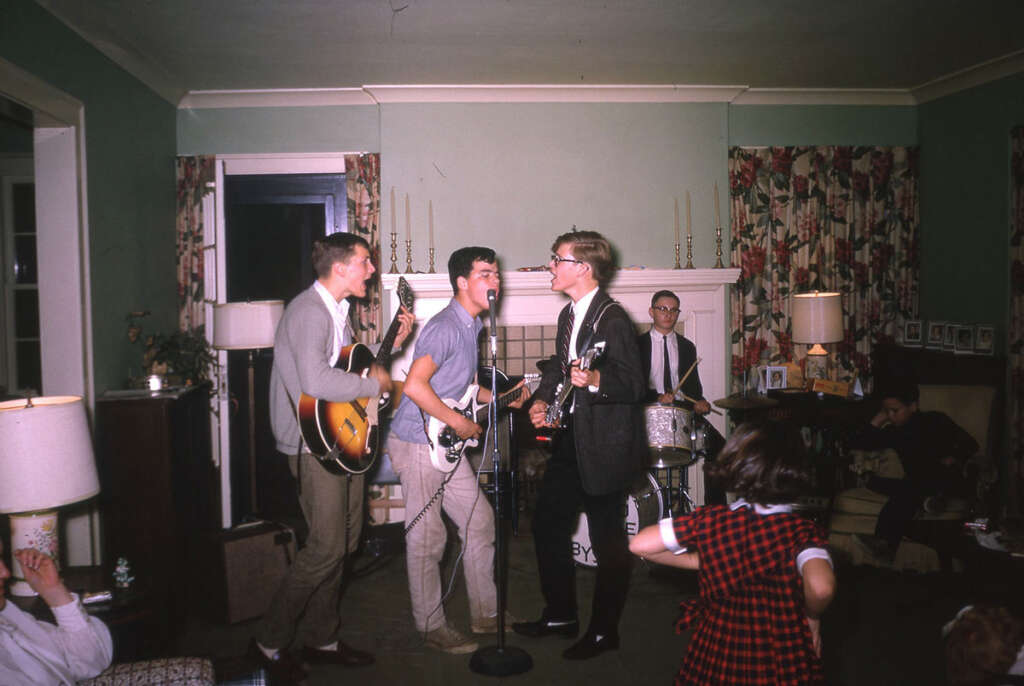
[
  {"x": 912, "y": 332},
  {"x": 984, "y": 340},
  {"x": 964, "y": 339},
  {"x": 775, "y": 377},
  {"x": 949, "y": 338},
  {"x": 936, "y": 335}
]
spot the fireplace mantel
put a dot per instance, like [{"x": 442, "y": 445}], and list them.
[{"x": 527, "y": 300}]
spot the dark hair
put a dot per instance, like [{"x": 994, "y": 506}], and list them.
[
  {"x": 982, "y": 644},
  {"x": 592, "y": 248},
  {"x": 336, "y": 247},
  {"x": 461, "y": 262},
  {"x": 905, "y": 391},
  {"x": 664, "y": 294},
  {"x": 763, "y": 463}
]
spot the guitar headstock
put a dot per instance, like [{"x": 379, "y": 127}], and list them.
[
  {"x": 405, "y": 294},
  {"x": 593, "y": 353}
]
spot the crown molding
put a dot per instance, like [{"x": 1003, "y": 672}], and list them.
[
  {"x": 552, "y": 93},
  {"x": 283, "y": 97},
  {"x": 979, "y": 74},
  {"x": 824, "y": 96},
  {"x": 51, "y": 107}
]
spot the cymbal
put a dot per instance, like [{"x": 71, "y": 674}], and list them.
[
  {"x": 663, "y": 458},
  {"x": 738, "y": 401}
]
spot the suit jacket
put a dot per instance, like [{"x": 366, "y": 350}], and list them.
[
  {"x": 687, "y": 354},
  {"x": 608, "y": 426}
]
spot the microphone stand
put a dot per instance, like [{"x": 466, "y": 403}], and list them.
[{"x": 498, "y": 660}]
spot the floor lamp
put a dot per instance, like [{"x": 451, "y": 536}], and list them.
[
  {"x": 817, "y": 318},
  {"x": 247, "y": 326},
  {"x": 46, "y": 462}
]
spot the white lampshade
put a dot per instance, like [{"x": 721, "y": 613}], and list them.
[
  {"x": 817, "y": 318},
  {"x": 246, "y": 325},
  {"x": 46, "y": 457}
]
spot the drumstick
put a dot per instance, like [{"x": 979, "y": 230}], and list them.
[
  {"x": 694, "y": 400},
  {"x": 688, "y": 371}
]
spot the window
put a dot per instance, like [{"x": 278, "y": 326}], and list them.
[{"x": 22, "y": 370}]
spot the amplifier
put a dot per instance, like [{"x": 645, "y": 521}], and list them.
[{"x": 250, "y": 562}]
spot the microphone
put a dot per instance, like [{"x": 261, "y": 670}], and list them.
[{"x": 492, "y": 295}]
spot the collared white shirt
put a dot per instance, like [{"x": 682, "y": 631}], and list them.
[
  {"x": 579, "y": 312},
  {"x": 339, "y": 313},
  {"x": 657, "y": 378}
]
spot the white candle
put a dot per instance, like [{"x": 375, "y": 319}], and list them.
[
  {"x": 430, "y": 209},
  {"x": 689, "y": 227},
  {"x": 718, "y": 217},
  {"x": 394, "y": 211},
  {"x": 408, "y": 221},
  {"x": 675, "y": 207}
]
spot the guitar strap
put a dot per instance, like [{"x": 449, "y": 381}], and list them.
[{"x": 597, "y": 320}]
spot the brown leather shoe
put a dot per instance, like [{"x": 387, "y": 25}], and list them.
[
  {"x": 345, "y": 655},
  {"x": 284, "y": 669}
]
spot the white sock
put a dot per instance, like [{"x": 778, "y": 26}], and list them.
[
  {"x": 271, "y": 653},
  {"x": 329, "y": 646}
]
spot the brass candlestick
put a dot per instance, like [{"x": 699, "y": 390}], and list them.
[
  {"x": 394, "y": 253},
  {"x": 677, "y": 258},
  {"x": 718, "y": 249},
  {"x": 689, "y": 251},
  {"x": 408, "y": 256},
  {"x": 431, "y": 258}
]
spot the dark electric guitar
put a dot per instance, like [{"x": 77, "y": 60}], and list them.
[
  {"x": 446, "y": 448},
  {"x": 557, "y": 407},
  {"x": 345, "y": 435}
]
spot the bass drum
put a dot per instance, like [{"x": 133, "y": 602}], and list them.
[{"x": 645, "y": 505}]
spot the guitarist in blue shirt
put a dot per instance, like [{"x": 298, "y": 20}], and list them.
[
  {"x": 597, "y": 454},
  {"x": 445, "y": 361}
]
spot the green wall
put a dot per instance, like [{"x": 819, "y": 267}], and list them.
[
  {"x": 965, "y": 203},
  {"x": 759, "y": 125},
  {"x": 130, "y": 148}
]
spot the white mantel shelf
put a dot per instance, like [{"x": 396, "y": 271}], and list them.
[{"x": 527, "y": 300}]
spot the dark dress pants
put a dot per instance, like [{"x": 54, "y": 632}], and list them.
[{"x": 560, "y": 498}]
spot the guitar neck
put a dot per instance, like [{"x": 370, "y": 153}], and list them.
[
  {"x": 504, "y": 400},
  {"x": 383, "y": 357}
]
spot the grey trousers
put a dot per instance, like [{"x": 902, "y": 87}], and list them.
[
  {"x": 305, "y": 610},
  {"x": 464, "y": 502}
]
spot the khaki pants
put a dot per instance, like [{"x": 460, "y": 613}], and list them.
[
  {"x": 466, "y": 505},
  {"x": 305, "y": 608}
]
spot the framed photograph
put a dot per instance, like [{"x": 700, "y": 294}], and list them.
[
  {"x": 964, "y": 339},
  {"x": 984, "y": 340},
  {"x": 936, "y": 334},
  {"x": 912, "y": 332},
  {"x": 949, "y": 337},
  {"x": 775, "y": 377}
]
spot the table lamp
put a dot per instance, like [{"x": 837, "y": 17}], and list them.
[
  {"x": 817, "y": 318},
  {"x": 46, "y": 462},
  {"x": 247, "y": 326}
]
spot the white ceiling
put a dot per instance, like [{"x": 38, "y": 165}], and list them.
[{"x": 176, "y": 46}]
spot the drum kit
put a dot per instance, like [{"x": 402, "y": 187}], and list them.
[{"x": 677, "y": 438}]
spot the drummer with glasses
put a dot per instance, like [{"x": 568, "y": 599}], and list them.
[{"x": 667, "y": 356}]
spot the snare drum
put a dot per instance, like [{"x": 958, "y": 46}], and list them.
[
  {"x": 673, "y": 428},
  {"x": 645, "y": 505}
]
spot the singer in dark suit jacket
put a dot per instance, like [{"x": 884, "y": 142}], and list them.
[{"x": 596, "y": 455}]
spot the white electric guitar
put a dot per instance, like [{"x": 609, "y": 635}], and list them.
[{"x": 446, "y": 448}]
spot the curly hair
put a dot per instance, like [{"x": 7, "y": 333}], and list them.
[
  {"x": 982, "y": 645},
  {"x": 763, "y": 463}
]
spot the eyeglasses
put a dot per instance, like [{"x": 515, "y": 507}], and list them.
[
  {"x": 557, "y": 258},
  {"x": 666, "y": 310}
]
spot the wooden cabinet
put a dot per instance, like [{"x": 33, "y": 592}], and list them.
[{"x": 159, "y": 490}]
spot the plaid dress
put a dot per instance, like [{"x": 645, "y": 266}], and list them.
[{"x": 748, "y": 619}]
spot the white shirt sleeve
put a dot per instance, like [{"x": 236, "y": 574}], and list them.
[
  {"x": 812, "y": 554},
  {"x": 668, "y": 537}
]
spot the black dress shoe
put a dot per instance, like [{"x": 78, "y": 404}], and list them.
[
  {"x": 548, "y": 627},
  {"x": 591, "y": 645},
  {"x": 346, "y": 656},
  {"x": 283, "y": 669}
]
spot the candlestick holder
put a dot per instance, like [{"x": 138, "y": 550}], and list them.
[
  {"x": 408, "y": 256},
  {"x": 689, "y": 251},
  {"x": 431, "y": 258},
  {"x": 677, "y": 258},
  {"x": 394, "y": 253},
  {"x": 718, "y": 248}
]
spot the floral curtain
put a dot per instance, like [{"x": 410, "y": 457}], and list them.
[
  {"x": 1015, "y": 330},
  {"x": 362, "y": 186},
  {"x": 828, "y": 218},
  {"x": 193, "y": 173}
]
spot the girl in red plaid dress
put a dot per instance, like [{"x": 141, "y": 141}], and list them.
[{"x": 765, "y": 576}]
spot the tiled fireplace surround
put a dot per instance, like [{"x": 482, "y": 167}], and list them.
[{"x": 528, "y": 310}]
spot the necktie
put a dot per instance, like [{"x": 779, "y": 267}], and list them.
[
  {"x": 667, "y": 370},
  {"x": 565, "y": 341}
]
